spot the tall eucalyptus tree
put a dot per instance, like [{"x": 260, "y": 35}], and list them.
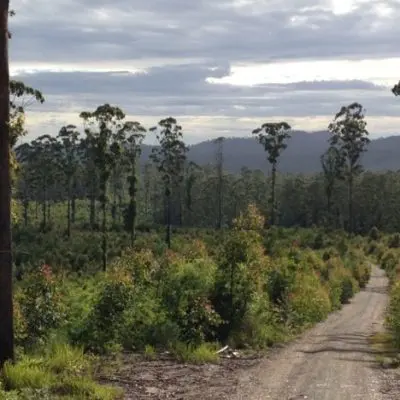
[
  {"x": 273, "y": 137},
  {"x": 134, "y": 133},
  {"x": 170, "y": 158},
  {"x": 349, "y": 134},
  {"x": 69, "y": 160},
  {"x": 103, "y": 131}
]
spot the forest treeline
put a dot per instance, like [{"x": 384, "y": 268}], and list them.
[{"x": 101, "y": 166}]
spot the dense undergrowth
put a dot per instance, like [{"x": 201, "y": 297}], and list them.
[{"x": 248, "y": 287}]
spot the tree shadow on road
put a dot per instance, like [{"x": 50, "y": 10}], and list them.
[
  {"x": 354, "y": 343},
  {"x": 378, "y": 289}
]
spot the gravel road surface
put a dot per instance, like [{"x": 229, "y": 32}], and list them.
[{"x": 333, "y": 361}]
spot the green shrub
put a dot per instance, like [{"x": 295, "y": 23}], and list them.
[
  {"x": 260, "y": 327},
  {"x": 329, "y": 253},
  {"x": 393, "y": 317},
  {"x": 39, "y": 306},
  {"x": 362, "y": 273},
  {"x": 349, "y": 289},
  {"x": 242, "y": 270},
  {"x": 142, "y": 264},
  {"x": 80, "y": 296},
  {"x": 308, "y": 301},
  {"x": 356, "y": 262},
  {"x": 102, "y": 328},
  {"x": 280, "y": 279},
  {"x": 143, "y": 321},
  {"x": 389, "y": 260},
  {"x": 187, "y": 287},
  {"x": 394, "y": 241},
  {"x": 374, "y": 234},
  {"x": 340, "y": 284},
  {"x": 319, "y": 241},
  {"x": 390, "y": 263},
  {"x": 375, "y": 249}
]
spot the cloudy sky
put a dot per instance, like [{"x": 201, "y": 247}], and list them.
[{"x": 221, "y": 67}]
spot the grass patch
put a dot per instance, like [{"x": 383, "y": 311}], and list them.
[
  {"x": 149, "y": 353},
  {"x": 64, "y": 372},
  {"x": 85, "y": 388},
  {"x": 64, "y": 359},
  {"x": 24, "y": 375},
  {"x": 203, "y": 354}
]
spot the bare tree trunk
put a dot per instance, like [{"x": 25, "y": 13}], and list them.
[
  {"x": 104, "y": 235},
  {"x": 103, "y": 191},
  {"x": 220, "y": 168},
  {"x": 73, "y": 202},
  {"x": 49, "y": 211},
  {"x": 44, "y": 209},
  {"x": 6, "y": 300},
  {"x": 92, "y": 207},
  {"x": 351, "y": 219},
  {"x": 168, "y": 231},
  {"x": 69, "y": 210},
  {"x": 272, "y": 200},
  {"x": 26, "y": 207}
]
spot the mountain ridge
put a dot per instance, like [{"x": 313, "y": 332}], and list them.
[{"x": 301, "y": 156}]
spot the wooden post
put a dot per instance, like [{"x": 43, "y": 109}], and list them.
[{"x": 6, "y": 304}]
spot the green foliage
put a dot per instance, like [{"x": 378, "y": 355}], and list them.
[
  {"x": 393, "y": 318},
  {"x": 307, "y": 300},
  {"x": 64, "y": 359},
  {"x": 209, "y": 287},
  {"x": 26, "y": 375},
  {"x": 374, "y": 234},
  {"x": 319, "y": 242},
  {"x": 103, "y": 325},
  {"x": 84, "y": 388},
  {"x": 186, "y": 293},
  {"x": 39, "y": 306},
  {"x": 149, "y": 352},
  {"x": 280, "y": 279},
  {"x": 375, "y": 249},
  {"x": 341, "y": 282},
  {"x": 250, "y": 220},
  {"x": 242, "y": 266},
  {"x": 390, "y": 263},
  {"x": 273, "y": 137},
  {"x": 62, "y": 372},
  {"x": 394, "y": 241},
  {"x": 81, "y": 254},
  {"x": 261, "y": 326}
]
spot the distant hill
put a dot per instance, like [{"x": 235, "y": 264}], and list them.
[{"x": 301, "y": 156}]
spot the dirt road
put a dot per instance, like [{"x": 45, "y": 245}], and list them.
[{"x": 333, "y": 361}]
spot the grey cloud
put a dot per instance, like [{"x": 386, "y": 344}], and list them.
[
  {"x": 204, "y": 29},
  {"x": 181, "y": 80},
  {"x": 182, "y": 90}
]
